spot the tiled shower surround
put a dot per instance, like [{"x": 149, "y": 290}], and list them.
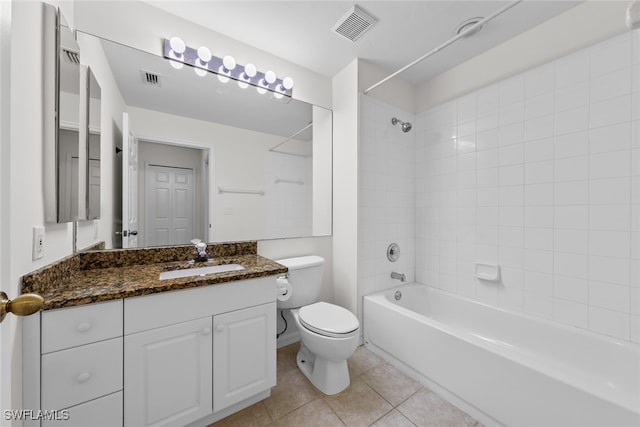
[{"x": 539, "y": 174}]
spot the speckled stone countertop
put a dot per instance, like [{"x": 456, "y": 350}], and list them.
[{"x": 96, "y": 276}]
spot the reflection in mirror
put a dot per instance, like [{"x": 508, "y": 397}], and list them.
[
  {"x": 68, "y": 155},
  {"x": 211, "y": 160},
  {"x": 93, "y": 146}
]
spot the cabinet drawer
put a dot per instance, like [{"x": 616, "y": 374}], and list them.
[
  {"x": 74, "y": 326},
  {"x": 77, "y": 375},
  {"x": 103, "y": 412}
]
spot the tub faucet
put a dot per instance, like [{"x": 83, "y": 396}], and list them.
[{"x": 398, "y": 276}]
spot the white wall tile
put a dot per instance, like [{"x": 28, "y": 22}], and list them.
[
  {"x": 538, "y": 283},
  {"x": 539, "y": 150},
  {"x": 571, "y": 169},
  {"x": 538, "y": 238},
  {"x": 611, "y": 85},
  {"x": 513, "y": 113},
  {"x": 574, "y": 120},
  {"x": 570, "y": 312},
  {"x": 609, "y": 322},
  {"x": 610, "y": 217},
  {"x": 572, "y": 69},
  {"x": 511, "y": 237},
  {"x": 511, "y": 154},
  {"x": 572, "y": 97},
  {"x": 540, "y": 80},
  {"x": 488, "y": 158},
  {"x": 538, "y": 194},
  {"x": 571, "y": 193},
  {"x": 571, "y": 288},
  {"x": 538, "y": 172},
  {"x": 609, "y": 112},
  {"x": 512, "y": 175},
  {"x": 571, "y": 145},
  {"x": 539, "y": 127},
  {"x": 539, "y": 106},
  {"x": 609, "y": 191},
  {"x": 611, "y": 55},
  {"x": 538, "y": 305},
  {"x": 571, "y": 240},
  {"x": 576, "y": 217},
  {"x": 610, "y": 138},
  {"x": 538, "y": 260},
  {"x": 539, "y": 216},
  {"x": 610, "y": 165},
  {"x": 512, "y": 134},
  {"x": 612, "y": 297},
  {"x": 610, "y": 243},
  {"x": 609, "y": 270},
  {"x": 512, "y": 90},
  {"x": 488, "y": 178},
  {"x": 571, "y": 265}
]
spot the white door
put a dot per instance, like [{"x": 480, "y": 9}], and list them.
[
  {"x": 169, "y": 210},
  {"x": 244, "y": 354},
  {"x": 129, "y": 185},
  {"x": 167, "y": 375}
]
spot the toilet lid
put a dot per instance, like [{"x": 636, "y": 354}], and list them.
[{"x": 328, "y": 319}]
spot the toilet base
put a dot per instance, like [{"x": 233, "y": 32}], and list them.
[{"x": 330, "y": 377}]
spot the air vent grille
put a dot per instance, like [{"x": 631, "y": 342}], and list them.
[
  {"x": 152, "y": 79},
  {"x": 71, "y": 56},
  {"x": 354, "y": 24}
]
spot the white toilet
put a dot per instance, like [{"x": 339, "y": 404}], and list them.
[{"x": 329, "y": 333}]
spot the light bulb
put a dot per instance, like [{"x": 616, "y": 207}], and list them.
[
  {"x": 222, "y": 78},
  {"x": 175, "y": 64},
  {"x": 270, "y": 77},
  {"x": 287, "y": 83},
  {"x": 243, "y": 85},
  {"x": 261, "y": 90},
  {"x": 200, "y": 71},
  {"x": 204, "y": 54},
  {"x": 177, "y": 45},
  {"x": 250, "y": 71},
  {"x": 278, "y": 95},
  {"x": 229, "y": 63}
]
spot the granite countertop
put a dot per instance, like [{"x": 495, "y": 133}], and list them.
[{"x": 107, "y": 275}]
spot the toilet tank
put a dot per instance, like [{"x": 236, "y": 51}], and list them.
[{"x": 305, "y": 277}]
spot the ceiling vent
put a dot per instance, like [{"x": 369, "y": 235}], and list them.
[
  {"x": 71, "y": 56},
  {"x": 152, "y": 79},
  {"x": 354, "y": 24}
]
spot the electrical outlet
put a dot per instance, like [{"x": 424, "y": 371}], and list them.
[
  {"x": 38, "y": 242},
  {"x": 95, "y": 229}
]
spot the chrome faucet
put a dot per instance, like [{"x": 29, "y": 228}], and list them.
[
  {"x": 398, "y": 276},
  {"x": 201, "y": 251}
]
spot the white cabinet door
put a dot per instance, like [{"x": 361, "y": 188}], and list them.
[
  {"x": 167, "y": 375},
  {"x": 244, "y": 354}
]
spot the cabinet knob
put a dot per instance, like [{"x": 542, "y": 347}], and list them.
[
  {"x": 219, "y": 327},
  {"x": 206, "y": 331},
  {"x": 83, "y": 327},
  {"x": 83, "y": 377}
]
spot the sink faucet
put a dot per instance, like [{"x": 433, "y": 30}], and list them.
[
  {"x": 201, "y": 251},
  {"x": 398, "y": 276}
]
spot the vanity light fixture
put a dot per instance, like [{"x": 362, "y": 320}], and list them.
[{"x": 178, "y": 53}]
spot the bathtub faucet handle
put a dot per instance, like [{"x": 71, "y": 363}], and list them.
[{"x": 398, "y": 276}]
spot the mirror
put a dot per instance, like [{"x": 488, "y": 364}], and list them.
[
  {"x": 206, "y": 159},
  {"x": 64, "y": 156},
  {"x": 93, "y": 108}
]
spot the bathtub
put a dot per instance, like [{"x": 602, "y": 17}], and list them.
[{"x": 505, "y": 368}]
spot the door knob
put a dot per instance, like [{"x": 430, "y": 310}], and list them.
[{"x": 23, "y": 305}]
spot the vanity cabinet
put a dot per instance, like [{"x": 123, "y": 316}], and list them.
[
  {"x": 177, "y": 358},
  {"x": 244, "y": 354},
  {"x": 168, "y": 377},
  {"x": 81, "y": 364}
]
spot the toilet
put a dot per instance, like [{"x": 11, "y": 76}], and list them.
[{"x": 329, "y": 333}]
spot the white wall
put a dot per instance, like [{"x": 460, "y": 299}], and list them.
[
  {"x": 386, "y": 205},
  {"x": 345, "y": 186},
  {"x": 579, "y": 27},
  {"x": 540, "y": 174}
]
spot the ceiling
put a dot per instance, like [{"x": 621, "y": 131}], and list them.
[{"x": 300, "y": 31}]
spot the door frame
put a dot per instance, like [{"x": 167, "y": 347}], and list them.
[{"x": 209, "y": 172}]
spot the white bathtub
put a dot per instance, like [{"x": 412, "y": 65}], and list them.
[{"x": 504, "y": 367}]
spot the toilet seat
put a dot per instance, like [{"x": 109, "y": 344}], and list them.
[{"x": 328, "y": 320}]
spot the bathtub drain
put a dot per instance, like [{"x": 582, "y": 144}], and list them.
[{"x": 398, "y": 295}]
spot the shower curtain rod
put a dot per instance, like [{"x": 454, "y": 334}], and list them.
[{"x": 474, "y": 27}]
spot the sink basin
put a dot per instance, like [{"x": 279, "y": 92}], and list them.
[{"x": 200, "y": 271}]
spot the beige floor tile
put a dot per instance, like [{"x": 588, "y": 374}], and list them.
[
  {"x": 286, "y": 361},
  {"x": 425, "y": 408},
  {"x": 314, "y": 414},
  {"x": 292, "y": 391},
  {"x": 391, "y": 383},
  {"x": 362, "y": 361},
  {"x": 393, "y": 419},
  {"x": 358, "y": 405},
  {"x": 253, "y": 416}
]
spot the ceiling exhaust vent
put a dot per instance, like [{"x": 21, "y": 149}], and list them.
[
  {"x": 354, "y": 24},
  {"x": 152, "y": 79},
  {"x": 71, "y": 56}
]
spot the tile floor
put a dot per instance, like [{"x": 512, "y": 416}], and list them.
[{"x": 379, "y": 395}]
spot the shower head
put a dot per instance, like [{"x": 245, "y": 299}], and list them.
[{"x": 405, "y": 126}]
